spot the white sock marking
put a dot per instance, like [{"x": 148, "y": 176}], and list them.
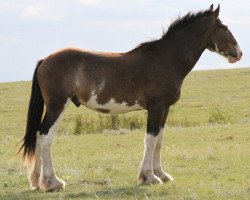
[
  {"x": 147, "y": 162},
  {"x": 45, "y": 143},
  {"x": 157, "y": 152}
]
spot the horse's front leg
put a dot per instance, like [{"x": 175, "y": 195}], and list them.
[
  {"x": 158, "y": 171},
  {"x": 155, "y": 115}
]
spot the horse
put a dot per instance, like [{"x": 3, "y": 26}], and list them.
[{"x": 148, "y": 77}]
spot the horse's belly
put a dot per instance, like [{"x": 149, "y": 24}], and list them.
[{"x": 111, "y": 107}]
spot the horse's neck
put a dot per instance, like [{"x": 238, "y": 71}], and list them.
[{"x": 189, "y": 47}]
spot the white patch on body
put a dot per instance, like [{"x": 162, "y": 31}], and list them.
[
  {"x": 111, "y": 105},
  {"x": 101, "y": 86}
]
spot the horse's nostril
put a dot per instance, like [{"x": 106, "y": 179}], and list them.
[{"x": 233, "y": 53}]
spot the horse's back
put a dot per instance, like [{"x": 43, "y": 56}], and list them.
[
  {"x": 70, "y": 59},
  {"x": 74, "y": 72}
]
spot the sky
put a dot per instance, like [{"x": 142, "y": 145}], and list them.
[{"x": 32, "y": 29}]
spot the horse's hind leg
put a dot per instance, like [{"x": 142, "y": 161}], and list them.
[
  {"x": 48, "y": 180},
  {"x": 35, "y": 169}
]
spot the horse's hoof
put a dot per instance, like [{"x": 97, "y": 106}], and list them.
[
  {"x": 152, "y": 180},
  {"x": 34, "y": 180},
  {"x": 149, "y": 179},
  {"x": 51, "y": 183},
  {"x": 165, "y": 177}
]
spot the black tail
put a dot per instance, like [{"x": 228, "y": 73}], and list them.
[{"x": 34, "y": 117}]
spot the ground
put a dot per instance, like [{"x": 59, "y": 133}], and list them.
[{"x": 206, "y": 147}]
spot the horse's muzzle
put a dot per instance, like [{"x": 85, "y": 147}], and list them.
[{"x": 234, "y": 55}]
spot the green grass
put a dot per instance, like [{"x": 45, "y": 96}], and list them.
[{"x": 206, "y": 146}]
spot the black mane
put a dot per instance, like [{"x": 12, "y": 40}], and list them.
[
  {"x": 178, "y": 24},
  {"x": 187, "y": 19}
]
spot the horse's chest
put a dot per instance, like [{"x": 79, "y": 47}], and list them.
[{"x": 111, "y": 107}]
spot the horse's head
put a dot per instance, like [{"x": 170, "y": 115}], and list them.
[{"x": 222, "y": 40}]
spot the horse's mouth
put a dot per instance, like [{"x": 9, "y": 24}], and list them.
[
  {"x": 232, "y": 55},
  {"x": 231, "y": 59}
]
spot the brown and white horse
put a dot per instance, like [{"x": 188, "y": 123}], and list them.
[{"x": 148, "y": 77}]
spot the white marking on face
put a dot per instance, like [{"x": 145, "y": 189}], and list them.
[
  {"x": 220, "y": 52},
  {"x": 216, "y": 49},
  {"x": 238, "y": 49},
  {"x": 111, "y": 105},
  {"x": 228, "y": 57},
  {"x": 239, "y": 53}
]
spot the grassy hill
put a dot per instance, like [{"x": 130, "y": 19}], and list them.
[{"x": 206, "y": 145}]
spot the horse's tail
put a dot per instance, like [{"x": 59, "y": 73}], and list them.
[{"x": 34, "y": 116}]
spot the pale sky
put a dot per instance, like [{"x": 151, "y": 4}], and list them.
[{"x": 33, "y": 29}]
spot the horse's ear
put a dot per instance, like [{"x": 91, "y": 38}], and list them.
[
  {"x": 216, "y": 12},
  {"x": 212, "y": 7}
]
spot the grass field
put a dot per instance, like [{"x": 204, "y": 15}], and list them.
[{"x": 206, "y": 149}]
